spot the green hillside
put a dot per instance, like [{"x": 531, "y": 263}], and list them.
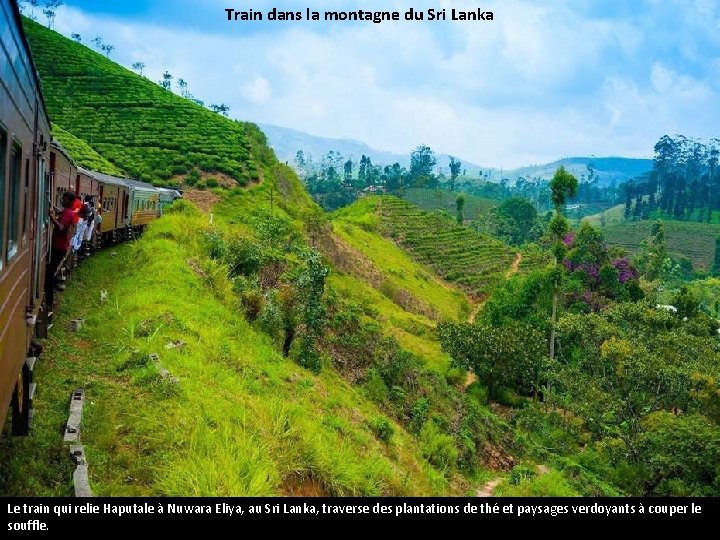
[
  {"x": 83, "y": 154},
  {"x": 139, "y": 127},
  {"x": 456, "y": 253},
  {"x": 439, "y": 199},
  {"x": 696, "y": 241}
]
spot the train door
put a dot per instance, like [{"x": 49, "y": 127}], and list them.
[{"x": 42, "y": 202}]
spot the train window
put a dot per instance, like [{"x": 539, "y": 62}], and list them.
[
  {"x": 26, "y": 207},
  {"x": 15, "y": 190},
  {"x": 3, "y": 151}
]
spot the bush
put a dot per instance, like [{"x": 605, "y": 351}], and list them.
[
  {"x": 382, "y": 429},
  {"x": 193, "y": 178},
  {"x": 438, "y": 448},
  {"x": 212, "y": 182},
  {"x": 201, "y": 186},
  {"x": 181, "y": 206}
]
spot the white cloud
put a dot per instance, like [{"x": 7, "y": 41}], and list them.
[
  {"x": 256, "y": 90},
  {"x": 538, "y": 83}
]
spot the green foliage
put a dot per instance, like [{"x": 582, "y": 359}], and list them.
[
  {"x": 686, "y": 303},
  {"x": 83, "y": 154},
  {"x": 382, "y": 428},
  {"x": 437, "y": 447},
  {"x": 459, "y": 205},
  {"x": 679, "y": 455},
  {"x": 563, "y": 186},
  {"x": 510, "y": 356},
  {"x": 517, "y": 221}
]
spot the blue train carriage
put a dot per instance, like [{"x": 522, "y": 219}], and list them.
[
  {"x": 144, "y": 204},
  {"x": 25, "y": 192},
  {"x": 167, "y": 196}
]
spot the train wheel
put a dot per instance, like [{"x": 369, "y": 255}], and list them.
[{"x": 22, "y": 401}]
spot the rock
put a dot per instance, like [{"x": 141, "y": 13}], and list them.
[{"x": 75, "y": 325}]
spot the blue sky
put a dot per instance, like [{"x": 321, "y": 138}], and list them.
[{"x": 544, "y": 80}]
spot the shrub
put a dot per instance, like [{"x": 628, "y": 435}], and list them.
[
  {"x": 437, "y": 447},
  {"x": 201, "y": 186},
  {"x": 212, "y": 182},
  {"x": 382, "y": 429},
  {"x": 181, "y": 206}
]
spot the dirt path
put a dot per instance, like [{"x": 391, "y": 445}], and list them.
[
  {"x": 515, "y": 266},
  {"x": 488, "y": 489}
]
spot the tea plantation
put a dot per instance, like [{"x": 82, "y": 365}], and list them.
[{"x": 150, "y": 133}]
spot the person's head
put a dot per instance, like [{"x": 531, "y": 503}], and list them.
[
  {"x": 84, "y": 211},
  {"x": 88, "y": 199},
  {"x": 68, "y": 199}
]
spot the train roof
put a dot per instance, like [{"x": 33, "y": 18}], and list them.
[
  {"x": 15, "y": 8},
  {"x": 107, "y": 179},
  {"x": 125, "y": 182},
  {"x": 55, "y": 145},
  {"x": 91, "y": 174}
]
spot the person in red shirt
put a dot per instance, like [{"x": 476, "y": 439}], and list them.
[{"x": 63, "y": 227}]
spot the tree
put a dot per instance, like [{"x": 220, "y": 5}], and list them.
[
  {"x": 183, "y": 86},
  {"x": 517, "y": 220},
  {"x": 220, "y": 109},
  {"x": 347, "y": 172},
  {"x": 97, "y": 40},
  {"x": 422, "y": 164},
  {"x": 139, "y": 67},
  {"x": 166, "y": 81},
  {"x": 654, "y": 254},
  {"x": 108, "y": 49},
  {"x": 510, "y": 356},
  {"x": 562, "y": 186},
  {"x": 50, "y": 11},
  {"x": 312, "y": 285},
  {"x": 455, "y": 167},
  {"x": 76, "y": 37},
  {"x": 459, "y": 205}
]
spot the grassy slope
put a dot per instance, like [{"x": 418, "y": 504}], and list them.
[
  {"x": 150, "y": 133},
  {"x": 83, "y": 154},
  {"x": 438, "y": 199},
  {"x": 242, "y": 420},
  {"x": 693, "y": 240}
]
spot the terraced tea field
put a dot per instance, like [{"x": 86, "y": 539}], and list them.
[
  {"x": 693, "y": 240},
  {"x": 438, "y": 199},
  {"x": 148, "y": 132},
  {"x": 456, "y": 253}
]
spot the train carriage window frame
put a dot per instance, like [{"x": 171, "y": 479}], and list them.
[
  {"x": 3, "y": 167},
  {"x": 26, "y": 203},
  {"x": 15, "y": 177}
]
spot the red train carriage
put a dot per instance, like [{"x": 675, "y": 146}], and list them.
[
  {"x": 63, "y": 173},
  {"x": 25, "y": 192}
]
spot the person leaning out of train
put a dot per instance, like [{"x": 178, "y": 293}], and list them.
[
  {"x": 63, "y": 228},
  {"x": 91, "y": 218},
  {"x": 80, "y": 229}
]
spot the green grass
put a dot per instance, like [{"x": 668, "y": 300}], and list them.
[
  {"x": 401, "y": 272},
  {"x": 695, "y": 241},
  {"x": 148, "y": 132},
  {"x": 611, "y": 216},
  {"x": 438, "y": 199},
  {"x": 552, "y": 484},
  {"x": 241, "y": 421},
  {"x": 414, "y": 332}
]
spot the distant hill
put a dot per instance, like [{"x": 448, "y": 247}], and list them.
[
  {"x": 286, "y": 142},
  {"x": 607, "y": 169}
]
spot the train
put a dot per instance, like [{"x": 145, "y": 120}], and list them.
[{"x": 35, "y": 171}]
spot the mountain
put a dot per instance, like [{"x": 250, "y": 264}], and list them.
[
  {"x": 607, "y": 169},
  {"x": 286, "y": 142}
]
